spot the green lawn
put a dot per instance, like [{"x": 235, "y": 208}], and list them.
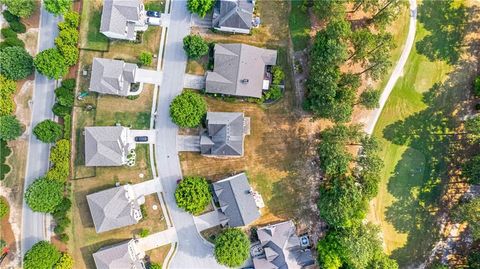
[
  {"x": 90, "y": 27},
  {"x": 299, "y": 26},
  {"x": 411, "y": 129}
]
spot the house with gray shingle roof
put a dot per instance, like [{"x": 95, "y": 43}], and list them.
[
  {"x": 115, "y": 208},
  {"x": 225, "y": 134},
  {"x": 122, "y": 19},
  {"x": 282, "y": 248},
  {"x": 240, "y": 70},
  {"x": 107, "y": 145},
  {"x": 113, "y": 77},
  {"x": 125, "y": 255},
  {"x": 235, "y": 16},
  {"x": 237, "y": 203}
]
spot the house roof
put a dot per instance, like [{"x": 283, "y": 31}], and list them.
[
  {"x": 119, "y": 256},
  {"x": 224, "y": 135},
  {"x": 113, "y": 208},
  {"x": 236, "y": 201},
  {"x": 117, "y": 13},
  {"x": 282, "y": 248},
  {"x": 105, "y": 145},
  {"x": 235, "y": 14},
  {"x": 239, "y": 69},
  {"x": 112, "y": 76}
]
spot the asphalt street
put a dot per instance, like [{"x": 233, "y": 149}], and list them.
[{"x": 34, "y": 224}]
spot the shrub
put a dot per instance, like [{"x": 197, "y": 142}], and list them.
[
  {"x": 44, "y": 195},
  {"x": 8, "y": 33},
  {"x": 144, "y": 233},
  {"x": 69, "y": 83},
  {"x": 60, "y": 110},
  {"x": 57, "y": 7},
  {"x": 64, "y": 238},
  {"x": 7, "y": 89},
  {"x": 65, "y": 95},
  {"x": 20, "y": 8},
  {"x": 9, "y": 17},
  {"x": 476, "y": 86},
  {"x": 5, "y": 151},
  {"x": 70, "y": 53},
  {"x": 193, "y": 194},
  {"x": 51, "y": 63},
  {"x": 232, "y": 247},
  {"x": 11, "y": 42},
  {"x": 67, "y": 36},
  {"x": 155, "y": 266},
  {"x": 277, "y": 74},
  {"x": 200, "y": 7},
  {"x": 67, "y": 126},
  {"x": 370, "y": 98},
  {"x": 18, "y": 26},
  {"x": 4, "y": 209},
  {"x": 48, "y": 131},
  {"x": 274, "y": 93},
  {"x": 42, "y": 255},
  {"x": 10, "y": 128},
  {"x": 15, "y": 63},
  {"x": 2, "y": 243},
  {"x": 72, "y": 18},
  {"x": 60, "y": 157},
  {"x": 195, "y": 46},
  {"x": 188, "y": 109},
  {"x": 144, "y": 211},
  {"x": 145, "y": 58},
  {"x": 65, "y": 262}
]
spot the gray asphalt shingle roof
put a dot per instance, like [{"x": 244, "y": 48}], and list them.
[
  {"x": 117, "y": 13},
  {"x": 105, "y": 145},
  {"x": 113, "y": 208},
  {"x": 236, "y": 200},
  {"x": 282, "y": 248},
  {"x": 233, "y": 14},
  {"x": 112, "y": 76},
  {"x": 239, "y": 69},
  {"x": 119, "y": 256},
  {"x": 224, "y": 135}
]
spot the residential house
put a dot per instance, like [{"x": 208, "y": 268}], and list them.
[
  {"x": 122, "y": 19},
  {"x": 113, "y": 77},
  {"x": 234, "y": 16},
  {"x": 225, "y": 134},
  {"x": 115, "y": 208},
  {"x": 236, "y": 200},
  {"x": 282, "y": 248},
  {"x": 125, "y": 255},
  {"x": 240, "y": 70},
  {"x": 107, "y": 145}
]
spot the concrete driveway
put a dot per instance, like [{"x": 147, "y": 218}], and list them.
[
  {"x": 151, "y": 134},
  {"x": 194, "y": 82},
  {"x": 148, "y": 76},
  {"x": 157, "y": 239},
  {"x": 188, "y": 143},
  {"x": 207, "y": 220},
  {"x": 148, "y": 187}
]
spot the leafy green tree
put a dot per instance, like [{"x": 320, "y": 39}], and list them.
[
  {"x": 195, "y": 46},
  {"x": 188, "y": 109},
  {"x": 42, "y": 255},
  {"x": 21, "y": 8},
  {"x": 200, "y": 7},
  {"x": 329, "y": 9},
  {"x": 57, "y": 7},
  {"x": 10, "y": 128},
  {"x": 15, "y": 63},
  {"x": 11, "y": 42},
  {"x": 471, "y": 169},
  {"x": 60, "y": 157},
  {"x": 472, "y": 127},
  {"x": 72, "y": 18},
  {"x": 44, "y": 195},
  {"x": 232, "y": 247},
  {"x": 370, "y": 98},
  {"x": 70, "y": 53},
  {"x": 67, "y": 36},
  {"x": 65, "y": 95},
  {"x": 145, "y": 58},
  {"x": 369, "y": 166},
  {"x": 60, "y": 110},
  {"x": 155, "y": 266},
  {"x": 193, "y": 194},
  {"x": 4, "y": 209},
  {"x": 328, "y": 251},
  {"x": 8, "y": 33},
  {"x": 18, "y": 26},
  {"x": 473, "y": 259},
  {"x": 51, "y": 63},
  {"x": 48, "y": 131},
  {"x": 65, "y": 262},
  {"x": 7, "y": 89},
  {"x": 469, "y": 212},
  {"x": 277, "y": 74}
]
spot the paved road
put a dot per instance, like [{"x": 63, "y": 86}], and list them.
[
  {"x": 34, "y": 224},
  {"x": 192, "y": 251},
  {"x": 397, "y": 72}
]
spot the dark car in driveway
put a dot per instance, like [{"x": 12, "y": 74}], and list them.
[
  {"x": 151, "y": 13},
  {"x": 141, "y": 138}
]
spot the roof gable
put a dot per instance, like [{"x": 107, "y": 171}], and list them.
[
  {"x": 105, "y": 145},
  {"x": 224, "y": 135},
  {"x": 112, "y": 76},
  {"x": 117, "y": 13}
]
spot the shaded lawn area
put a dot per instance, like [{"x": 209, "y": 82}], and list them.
[
  {"x": 299, "y": 23},
  {"x": 91, "y": 38},
  {"x": 412, "y": 128},
  {"x": 198, "y": 66}
]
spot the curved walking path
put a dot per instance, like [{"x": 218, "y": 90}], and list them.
[{"x": 397, "y": 71}]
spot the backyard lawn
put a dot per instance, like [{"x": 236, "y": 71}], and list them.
[
  {"x": 91, "y": 38},
  {"x": 411, "y": 129},
  {"x": 299, "y": 23}
]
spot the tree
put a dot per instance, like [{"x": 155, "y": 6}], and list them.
[
  {"x": 60, "y": 158},
  {"x": 195, "y": 46},
  {"x": 7, "y": 89},
  {"x": 471, "y": 169},
  {"x": 472, "y": 127},
  {"x": 21, "y": 8},
  {"x": 188, "y": 109},
  {"x": 145, "y": 58},
  {"x": 370, "y": 98},
  {"x": 193, "y": 194},
  {"x": 72, "y": 18},
  {"x": 42, "y": 255},
  {"x": 155, "y": 266},
  {"x": 67, "y": 36},
  {"x": 232, "y": 247},
  {"x": 473, "y": 259},
  {"x": 200, "y": 7},
  {"x": 65, "y": 95},
  {"x": 469, "y": 212},
  {"x": 51, "y": 63},
  {"x": 70, "y": 53},
  {"x": 328, "y": 251},
  {"x": 48, "y": 131},
  {"x": 4, "y": 209},
  {"x": 44, "y": 195},
  {"x": 10, "y": 128},
  {"x": 15, "y": 63},
  {"x": 65, "y": 262},
  {"x": 57, "y": 7},
  {"x": 369, "y": 166}
]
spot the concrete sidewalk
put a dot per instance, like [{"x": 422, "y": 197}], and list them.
[{"x": 158, "y": 239}]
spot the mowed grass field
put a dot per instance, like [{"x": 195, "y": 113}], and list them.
[{"x": 413, "y": 132}]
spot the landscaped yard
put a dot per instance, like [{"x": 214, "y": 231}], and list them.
[
  {"x": 411, "y": 128},
  {"x": 91, "y": 38},
  {"x": 299, "y": 23}
]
